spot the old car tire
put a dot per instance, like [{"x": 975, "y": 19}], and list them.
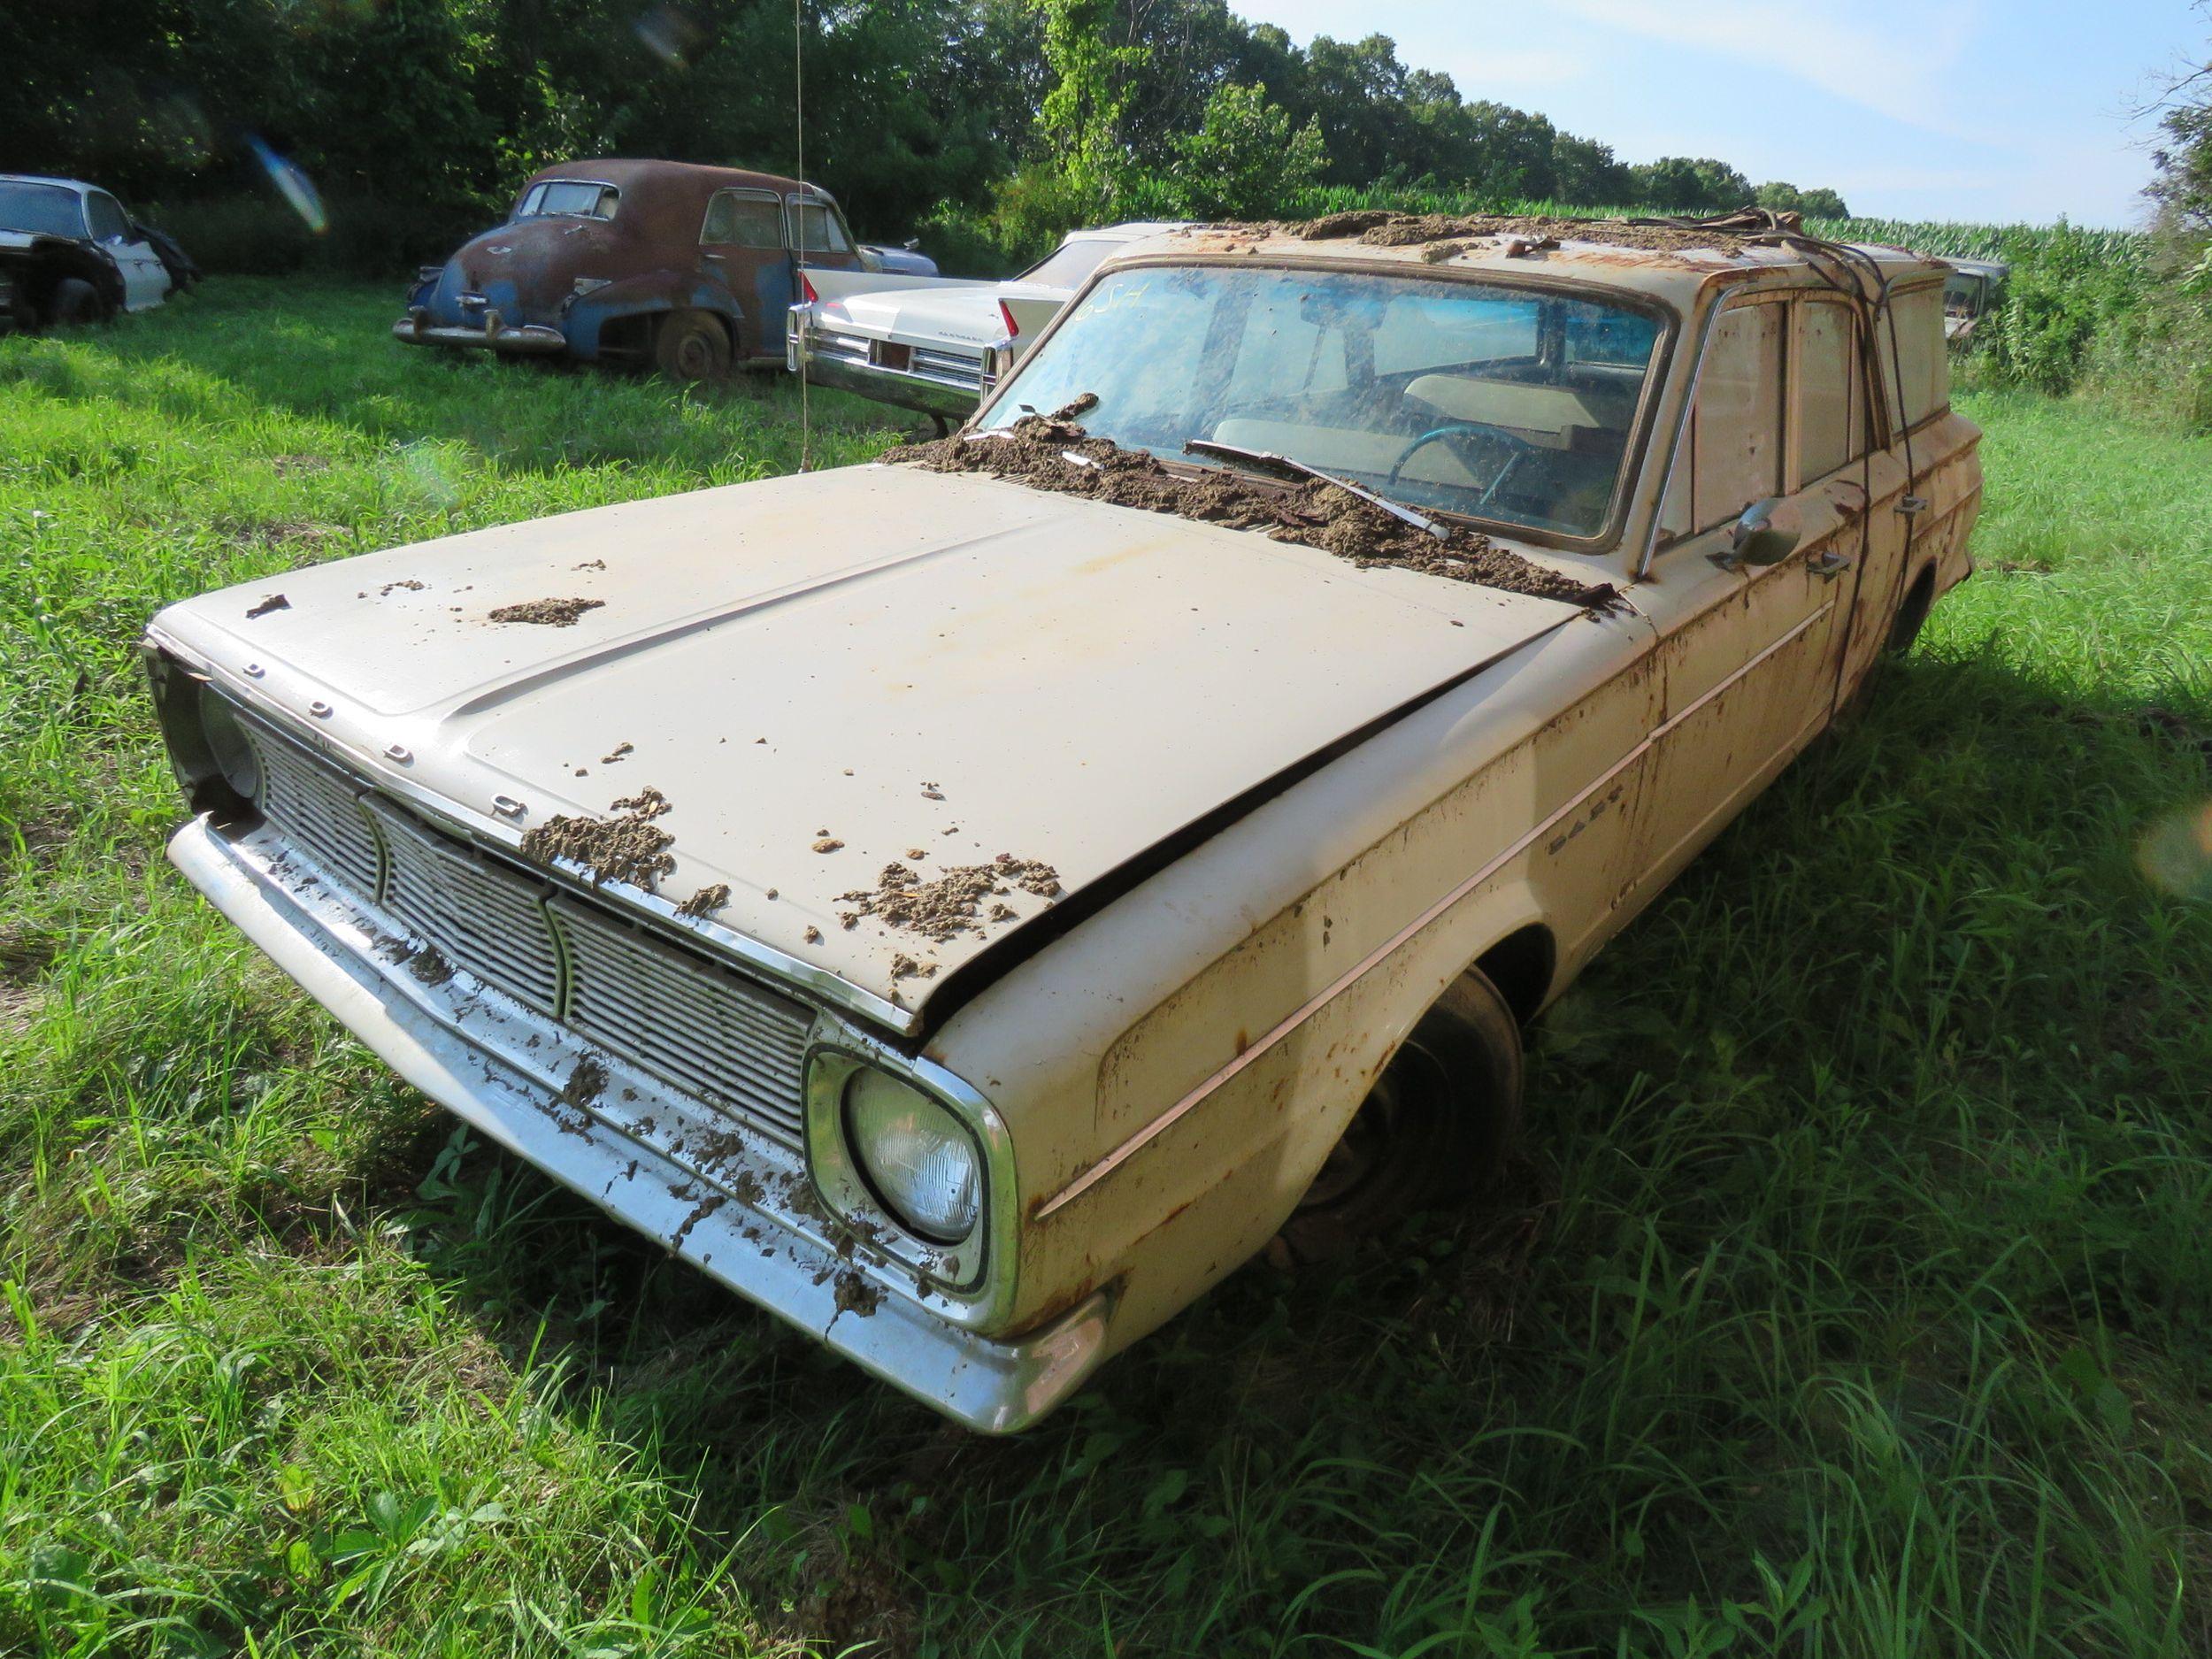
[
  {"x": 75, "y": 301},
  {"x": 691, "y": 346},
  {"x": 1437, "y": 1125}
]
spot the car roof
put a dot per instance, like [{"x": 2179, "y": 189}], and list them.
[
  {"x": 1669, "y": 260},
  {"x": 1980, "y": 268},
  {"x": 78, "y": 185},
  {"x": 628, "y": 172}
]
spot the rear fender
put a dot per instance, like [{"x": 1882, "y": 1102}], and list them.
[{"x": 595, "y": 319}]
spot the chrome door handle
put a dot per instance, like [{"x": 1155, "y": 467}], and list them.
[{"x": 1828, "y": 565}]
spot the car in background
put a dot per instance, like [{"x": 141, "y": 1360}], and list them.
[
  {"x": 928, "y": 343},
  {"x": 661, "y": 264},
  {"x": 69, "y": 253},
  {"x": 905, "y": 260},
  {"x": 1974, "y": 289}
]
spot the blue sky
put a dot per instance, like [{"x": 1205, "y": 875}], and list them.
[{"x": 1931, "y": 109}]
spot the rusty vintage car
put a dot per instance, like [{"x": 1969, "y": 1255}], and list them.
[
  {"x": 970, "y": 904},
  {"x": 689, "y": 269}
]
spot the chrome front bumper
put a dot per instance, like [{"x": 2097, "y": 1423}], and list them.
[
  {"x": 510, "y": 1074},
  {"x": 529, "y": 340}
]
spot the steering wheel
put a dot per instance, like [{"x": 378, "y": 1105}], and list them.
[{"x": 1518, "y": 446}]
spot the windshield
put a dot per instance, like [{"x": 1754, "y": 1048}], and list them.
[
  {"x": 569, "y": 198},
  {"x": 1066, "y": 267},
  {"x": 1510, "y": 404},
  {"x": 46, "y": 209}
]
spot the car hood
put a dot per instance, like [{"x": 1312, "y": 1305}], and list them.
[
  {"x": 532, "y": 264},
  {"x": 829, "y": 674}
]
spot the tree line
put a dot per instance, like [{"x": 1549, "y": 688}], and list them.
[{"x": 998, "y": 122}]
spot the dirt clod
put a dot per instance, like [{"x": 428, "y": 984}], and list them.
[
  {"x": 951, "y": 903},
  {"x": 1383, "y": 227},
  {"x": 628, "y": 847},
  {"x": 856, "y": 1295},
  {"x": 430, "y": 966},
  {"x": 1036, "y": 450},
  {"x": 269, "y": 601},
  {"x": 706, "y": 901},
  {"x": 408, "y": 584},
  {"x": 615, "y": 754},
  {"x": 827, "y": 844},
  {"x": 553, "y": 613},
  {"x": 813, "y": 935}
]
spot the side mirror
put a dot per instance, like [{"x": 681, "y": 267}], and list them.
[{"x": 1765, "y": 534}]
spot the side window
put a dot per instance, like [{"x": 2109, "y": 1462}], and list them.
[
  {"x": 1831, "y": 390},
  {"x": 820, "y": 230},
  {"x": 531, "y": 201},
  {"x": 1919, "y": 382},
  {"x": 1736, "y": 433},
  {"x": 106, "y": 215},
  {"x": 743, "y": 219}
]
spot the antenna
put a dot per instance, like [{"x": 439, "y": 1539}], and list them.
[{"x": 806, "y": 190}]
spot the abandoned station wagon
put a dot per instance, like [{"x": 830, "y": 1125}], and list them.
[{"x": 969, "y": 905}]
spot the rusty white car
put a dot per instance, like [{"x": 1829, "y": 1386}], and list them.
[
  {"x": 968, "y": 906},
  {"x": 932, "y": 343}
]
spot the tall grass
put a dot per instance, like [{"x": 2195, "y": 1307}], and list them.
[{"x": 1850, "y": 1301}]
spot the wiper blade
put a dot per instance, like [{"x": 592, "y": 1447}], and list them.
[{"x": 1268, "y": 461}]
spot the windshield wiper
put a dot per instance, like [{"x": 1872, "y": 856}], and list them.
[{"x": 1268, "y": 461}]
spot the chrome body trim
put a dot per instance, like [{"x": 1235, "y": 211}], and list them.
[
  {"x": 530, "y": 340},
  {"x": 741, "y": 1206},
  {"x": 931, "y": 394},
  {"x": 1099, "y": 1170}
]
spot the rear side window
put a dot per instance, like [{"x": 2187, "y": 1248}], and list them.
[
  {"x": 1067, "y": 265},
  {"x": 821, "y": 228},
  {"x": 743, "y": 219},
  {"x": 570, "y": 198},
  {"x": 44, "y": 209},
  {"x": 1830, "y": 390},
  {"x": 1731, "y": 454},
  {"x": 1919, "y": 381},
  {"x": 106, "y": 216}
]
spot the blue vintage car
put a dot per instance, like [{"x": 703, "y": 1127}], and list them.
[{"x": 689, "y": 269}]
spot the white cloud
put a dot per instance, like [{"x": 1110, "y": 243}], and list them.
[{"x": 1885, "y": 59}]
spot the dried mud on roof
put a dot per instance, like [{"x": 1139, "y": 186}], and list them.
[
  {"x": 630, "y": 848},
  {"x": 1035, "y": 450},
  {"x": 1379, "y": 227}
]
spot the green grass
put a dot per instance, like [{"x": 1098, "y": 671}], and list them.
[{"x": 1854, "y": 1300}]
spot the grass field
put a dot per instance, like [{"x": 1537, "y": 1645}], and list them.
[{"x": 1856, "y": 1299}]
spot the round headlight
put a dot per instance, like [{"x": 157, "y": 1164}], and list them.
[
  {"x": 227, "y": 743},
  {"x": 916, "y": 1156}
]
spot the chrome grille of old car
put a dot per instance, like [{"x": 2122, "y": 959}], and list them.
[
  {"x": 954, "y": 366},
  {"x": 710, "y": 1034},
  {"x": 735, "y": 1047},
  {"x": 318, "y": 807},
  {"x": 481, "y": 914}
]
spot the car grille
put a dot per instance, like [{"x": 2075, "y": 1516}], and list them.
[
  {"x": 954, "y": 367},
  {"x": 735, "y": 1047}
]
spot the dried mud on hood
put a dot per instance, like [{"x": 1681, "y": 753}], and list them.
[
  {"x": 952, "y": 902},
  {"x": 552, "y": 613},
  {"x": 629, "y": 848},
  {"x": 1050, "y": 452}
]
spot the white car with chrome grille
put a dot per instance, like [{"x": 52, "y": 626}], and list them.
[{"x": 968, "y": 905}]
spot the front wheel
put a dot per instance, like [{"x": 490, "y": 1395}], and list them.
[
  {"x": 74, "y": 301},
  {"x": 1437, "y": 1126},
  {"x": 691, "y": 346}
]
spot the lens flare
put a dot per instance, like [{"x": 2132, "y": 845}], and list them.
[
  {"x": 668, "y": 34},
  {"x": 2176, "y": 852},
  {"x": 293, "y": 185}
]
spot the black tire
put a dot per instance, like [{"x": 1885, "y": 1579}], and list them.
[
  {"x": 691, "y": 346},
  {"x": 1437, "y": 1126},
  {"x": 74, "y": 301}
]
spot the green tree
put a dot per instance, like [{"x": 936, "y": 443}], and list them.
[
  {"x": 1092, "y": 77},
  {"x": 1245, "y": 161}
]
